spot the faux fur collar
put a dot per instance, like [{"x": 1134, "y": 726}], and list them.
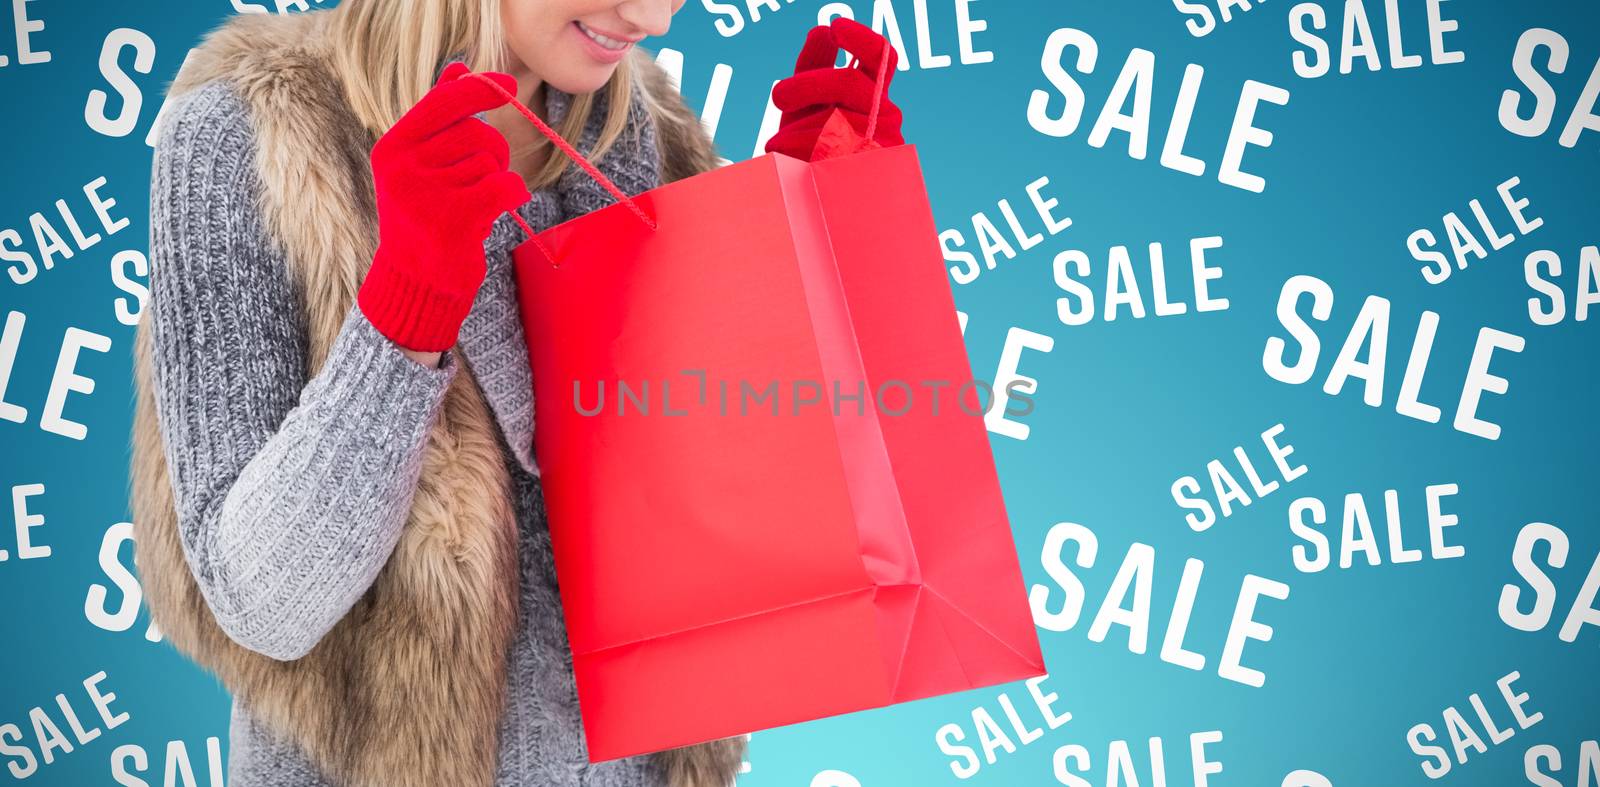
[{"x": 408, "y": 688}]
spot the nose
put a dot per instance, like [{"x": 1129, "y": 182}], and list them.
[{"x": 653, "y": 17}]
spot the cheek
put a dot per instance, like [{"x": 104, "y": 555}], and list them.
[
  {"x": 559, "y": 12},
  {"x": 538, "y": 31},
  {"x": 537, "y": 39},
  {"x": 530, "y": 26}
]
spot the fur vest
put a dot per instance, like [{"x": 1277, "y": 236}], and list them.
[{"x": 408, "y": 688}]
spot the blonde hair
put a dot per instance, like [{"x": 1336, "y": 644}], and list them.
[{"x": 369, "y": 37}]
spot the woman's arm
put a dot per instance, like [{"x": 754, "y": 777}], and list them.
[{"x": 291, "y": 491}]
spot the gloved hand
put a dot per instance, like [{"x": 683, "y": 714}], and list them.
[
  {"x": 817, "y": 88},
  {"x": 442, "y": 179}
]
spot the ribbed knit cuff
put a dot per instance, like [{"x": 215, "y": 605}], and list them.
[{"x": 413, "y": 314}]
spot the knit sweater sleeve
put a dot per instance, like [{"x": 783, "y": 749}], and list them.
[{"x": 291, "y": 489}]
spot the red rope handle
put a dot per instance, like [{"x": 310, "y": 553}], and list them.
[
  {"x": 573, "y": 154},
  {"x": 877, "y": 93}
]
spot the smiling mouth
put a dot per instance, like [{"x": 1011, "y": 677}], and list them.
[{"x": 614, "y": 44}]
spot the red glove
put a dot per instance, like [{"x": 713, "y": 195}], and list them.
[
  {"x": 808, "y": 98},
  {"x": 442, "y": 179}
]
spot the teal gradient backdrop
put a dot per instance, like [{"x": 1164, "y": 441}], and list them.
[{"x": 1123, "y": 409}]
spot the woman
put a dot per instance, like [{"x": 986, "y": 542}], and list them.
[{"x": 337, "y": 506}]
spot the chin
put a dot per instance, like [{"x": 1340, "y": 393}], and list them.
[{"x": 581, "y": 79}]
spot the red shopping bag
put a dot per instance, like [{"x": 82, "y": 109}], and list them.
[{"x": 730, "y": 563}]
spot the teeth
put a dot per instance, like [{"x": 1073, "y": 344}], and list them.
[{"x": 608, "y": 43}]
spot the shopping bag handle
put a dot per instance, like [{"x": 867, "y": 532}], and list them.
[
  {"x": 573, "y": 154},
  {"x": 878, "y": 87},
  {"x": 580, "y": 160}
]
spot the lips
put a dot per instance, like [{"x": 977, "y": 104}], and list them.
[{"x": 610, "y": 42}]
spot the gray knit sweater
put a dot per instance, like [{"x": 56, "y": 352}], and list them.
[{"x": 293, "y": 489}]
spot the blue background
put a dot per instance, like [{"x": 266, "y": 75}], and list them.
[{"x": 1124, "y": 408}]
